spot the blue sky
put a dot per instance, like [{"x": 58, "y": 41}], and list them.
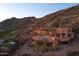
[{"x": 19, "y": 10}]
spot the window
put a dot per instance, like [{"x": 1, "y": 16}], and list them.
[
  {"x": 63, "y": 35},
  {"x": 69, "y": 35},
  {"x": 69, "y": 30},
  {"x": 57, "y": 34}
]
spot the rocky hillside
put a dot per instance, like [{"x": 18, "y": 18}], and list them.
[
  {"x": 67, "y": 17},
  {"x": 18, "y": 30},
  {"x": 17, "y": 22}
]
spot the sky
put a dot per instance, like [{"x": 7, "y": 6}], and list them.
[{"x": 20, "y": 10}]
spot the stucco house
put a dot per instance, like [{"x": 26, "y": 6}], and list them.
[{"x": 53, "y": 36}]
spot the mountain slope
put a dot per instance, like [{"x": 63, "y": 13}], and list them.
[
  {"x": 20, "y": 30},
  {"x": 62, "y": 17}
]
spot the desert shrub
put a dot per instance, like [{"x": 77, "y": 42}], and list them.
[
  {"x": 75, "y": 53},
  {"x": 43, "y": 48},
  {"x": 8, "y": 45},
  {"x": 36, "y": 43},
  {"x": 3, "y": 33}
]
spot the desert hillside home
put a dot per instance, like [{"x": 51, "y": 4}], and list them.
[{"x": 54, "y": 36}]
